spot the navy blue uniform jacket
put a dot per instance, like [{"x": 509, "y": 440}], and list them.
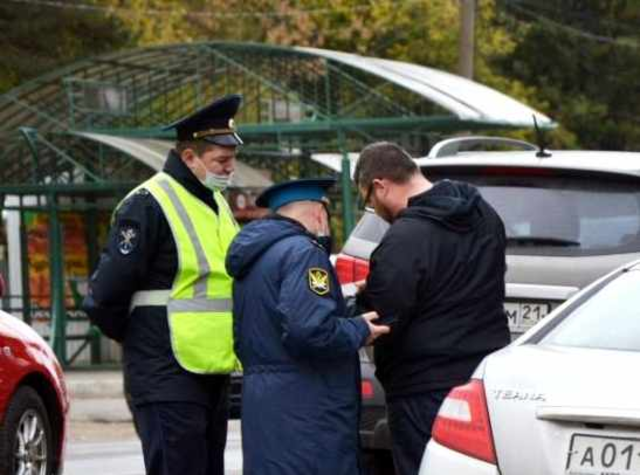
[{"x": 301, "y": 396}]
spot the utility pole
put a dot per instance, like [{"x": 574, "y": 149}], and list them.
[{"x": 467, "y": 33}]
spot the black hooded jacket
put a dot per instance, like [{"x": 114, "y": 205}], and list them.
[{"x": 438, "y": 274}]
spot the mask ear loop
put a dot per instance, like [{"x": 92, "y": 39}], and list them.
[
  {"x": 324, "y": 237},
  {"x": 326, "y": 204}
]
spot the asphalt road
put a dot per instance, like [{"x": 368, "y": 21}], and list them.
[{"x": 124, "y": 457}]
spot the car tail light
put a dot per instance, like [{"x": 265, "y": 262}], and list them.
[
  {"x": 463, "y": 423},
  {"x": 351, "y": 269},
  {"x": 367, "y": 389}
]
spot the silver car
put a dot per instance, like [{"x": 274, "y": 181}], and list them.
[
  {"x": 570, "y": 217},
  {"x": 562, "y": 399}
]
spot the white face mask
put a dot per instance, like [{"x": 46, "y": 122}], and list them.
[{"x": 216, "y": 182}]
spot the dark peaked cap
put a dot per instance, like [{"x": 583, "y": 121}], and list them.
[{"x": 213, "y": 123}]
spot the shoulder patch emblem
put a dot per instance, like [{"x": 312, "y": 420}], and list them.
[
  {"x": 319, "y": 281},
  {"x": 127, "y": 239}
]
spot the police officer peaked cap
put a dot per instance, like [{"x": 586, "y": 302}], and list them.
[
  {"x": 213, "y": 123},
  {"x": 308, "y": 189}
]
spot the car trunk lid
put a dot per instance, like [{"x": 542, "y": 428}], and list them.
[{"x": 553, "y": 410}]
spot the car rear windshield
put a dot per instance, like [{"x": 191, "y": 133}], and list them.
[
  {"x": 366, "y": 235},
  {"x": 608, "y": 319},
  {"x": 560, "y": 215}
]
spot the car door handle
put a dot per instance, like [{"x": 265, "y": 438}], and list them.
[
  {"x": 539, "y": 291},
  {"x": 595, "y": 415}
]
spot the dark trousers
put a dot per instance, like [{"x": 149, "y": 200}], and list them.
[
  {"x": 181, "y": 438},
  {"x": 410, "y": 420}
]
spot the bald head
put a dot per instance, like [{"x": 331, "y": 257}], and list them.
[{"x": 311, "y": 214}]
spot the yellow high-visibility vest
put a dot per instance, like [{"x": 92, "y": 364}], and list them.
[{"x": 199, "y": 304}]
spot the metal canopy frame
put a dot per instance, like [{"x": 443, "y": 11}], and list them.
[
  {"x": 294, "y": 98},
  {"x": 297, "y": 101}
]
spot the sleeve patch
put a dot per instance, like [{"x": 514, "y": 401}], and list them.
[
  {"x": 319, "y": 281},
  {"x": 128, "y": 237}
]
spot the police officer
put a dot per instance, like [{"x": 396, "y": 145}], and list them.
[
  {"x": 162, "y": 290},
  {"x": 301, "y": 384}
]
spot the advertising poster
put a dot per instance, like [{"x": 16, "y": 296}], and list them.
[{"x": 75, "y": 258}]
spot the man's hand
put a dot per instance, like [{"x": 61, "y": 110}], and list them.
[
  {"x": 360, "y": 286},
  {"x": 374, "y": 330}
]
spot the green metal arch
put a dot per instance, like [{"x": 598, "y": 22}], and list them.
[
  {"x": 47, "y": 102},
  {"x": 288, "y": 93},
  {"x": 295, "y": 99}
]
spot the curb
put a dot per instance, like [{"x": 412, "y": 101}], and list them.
[
  {"x": 94, "y": 385},
  {"x": 100, "y": 410}
]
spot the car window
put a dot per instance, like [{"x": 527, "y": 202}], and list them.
[
  {"x": 371, "y": 228},
  {"x": 366, "y": 236},
  {"x": 564, "y": 216},
  {"x": 608, "y": 319}
]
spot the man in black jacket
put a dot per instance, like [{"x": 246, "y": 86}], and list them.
[{"x": 437, "y": 278}]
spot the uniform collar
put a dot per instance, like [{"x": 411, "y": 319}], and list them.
[
  {"x": 175, "y": 167},
  {"x": 297, "y": 224}
]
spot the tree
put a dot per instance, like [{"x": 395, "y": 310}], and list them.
[
  {"x": 583, "y": 57},
  {"x": 37, "y": 39},
  {"x": 419, "y": 31}
]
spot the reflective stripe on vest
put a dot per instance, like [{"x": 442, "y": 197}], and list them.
[
  {"x": 160, "y": 298},
  {"x": 199, "y": 302}
]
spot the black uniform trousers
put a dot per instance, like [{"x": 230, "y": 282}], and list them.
[
  {"x": 180, "y": 438},
  {"x": 410, "y": 420}
]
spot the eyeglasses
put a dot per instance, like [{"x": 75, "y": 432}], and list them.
[{"x": 367, "y": 196}]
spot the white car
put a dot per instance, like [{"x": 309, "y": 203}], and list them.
[{"x": 562, "y": 399}]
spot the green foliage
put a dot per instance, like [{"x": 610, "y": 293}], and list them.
[
  {"x": 36, "y": 39},
  {"x": 583, "y": 58},
  {"x": 576, "y": 60}
]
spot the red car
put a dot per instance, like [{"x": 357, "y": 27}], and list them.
[{"x": 33, "y": 402}]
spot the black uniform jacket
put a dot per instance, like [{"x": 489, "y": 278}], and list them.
[
  {"x": 439, "y": 273},
  {"x": 141, "y": 254}
]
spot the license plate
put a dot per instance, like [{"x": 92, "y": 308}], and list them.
[
  {"x": 593, "y": 455},
  {"x": 523, "y": 315}
]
